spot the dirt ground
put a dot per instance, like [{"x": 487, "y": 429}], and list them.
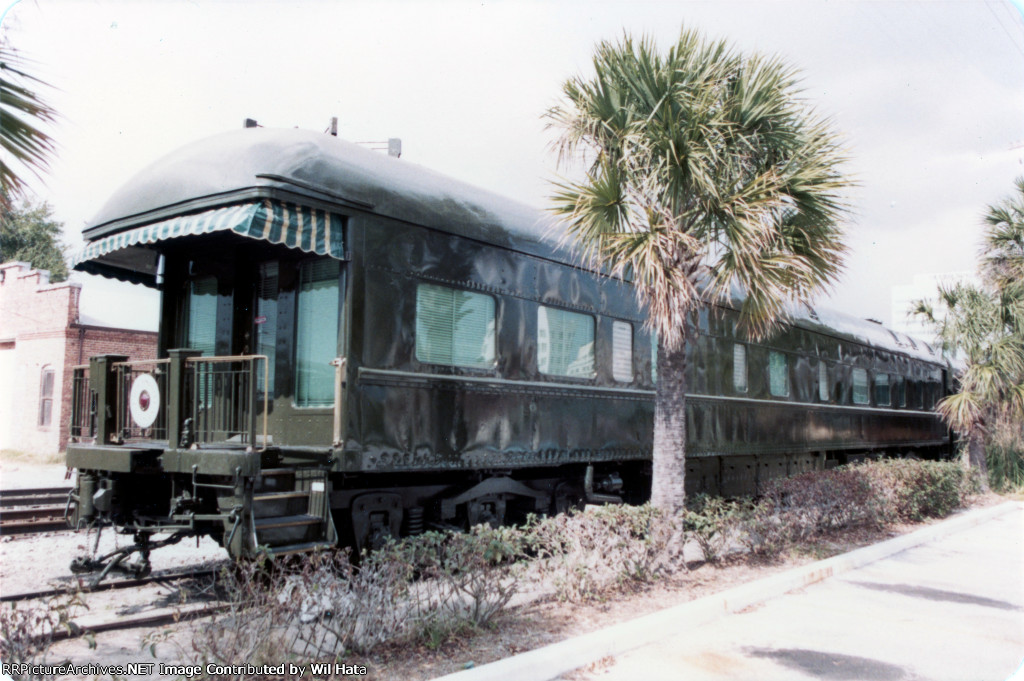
[{"x": 33, "y": 562}]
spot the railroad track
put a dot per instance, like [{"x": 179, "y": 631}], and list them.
[
  {"x": 111, "y": 585},
  {"x": 28, "y": 511},
  {"x": 92, "y": 625}
]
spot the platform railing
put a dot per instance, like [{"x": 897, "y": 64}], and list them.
[
  {"x": 225, "y": 404},
  {"x": 186, "y": 400},
  {"x": 83, "y": 405}
]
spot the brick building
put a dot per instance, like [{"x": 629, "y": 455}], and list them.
[{"x": 42, "y": 337}]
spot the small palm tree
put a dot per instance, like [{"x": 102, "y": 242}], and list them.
[
  {"x": 705, "y": 174},
  {"x": 984, "y": 326},
  {"x": 21, "y": 111}
]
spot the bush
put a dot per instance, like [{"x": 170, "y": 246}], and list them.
[
  {"x": 465, "y": 579},
  {"x": 912, "y": 490},
  {"x": 709, "y": 521},
  {"x": 586, "y": 555},
  {"x": 323, "y": 605},
  {"x": 28, "y": 629},
  {"x": 871, "y": 494}
]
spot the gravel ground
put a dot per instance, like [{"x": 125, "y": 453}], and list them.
[{"x": 50, "y": 553}]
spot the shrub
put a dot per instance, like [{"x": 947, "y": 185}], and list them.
[
  {"x": 709, "y": 521},
  {"x": 465, "y": 579},
  {"x": 911, "y": 489},
  {"x": 28, "y": 629},
  {"x": 586, "y": 555}
]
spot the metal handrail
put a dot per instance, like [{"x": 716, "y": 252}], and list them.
[{"x": 137, "y": 362}]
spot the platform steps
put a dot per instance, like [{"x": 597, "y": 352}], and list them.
[{"x": 291, "y": 511}]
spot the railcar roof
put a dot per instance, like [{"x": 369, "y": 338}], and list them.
[
  {"x": 320, "y": 168},
  {"x": 306, "y": 166}
]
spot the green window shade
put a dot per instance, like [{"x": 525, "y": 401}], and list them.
[
  {"x": 565, "y": 343},
  {"x": 739, "y": 367},
  {"x": 778, "y": 374},
  {"x": 455, "y": 328},
  {"x": 901, "y": 391},
  {"x": 882, "y": 390},
  {"x": 202, "y": 316},
  {"x": 316, "y": 333},
  {"x": 622, "y": 351},
  {"x": 822, "y": 382},
  {"x": 266, "y": 321},
  {"x": 860, "y": 387}
]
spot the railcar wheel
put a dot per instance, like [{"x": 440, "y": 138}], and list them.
[{"x": 568, "y": 495}]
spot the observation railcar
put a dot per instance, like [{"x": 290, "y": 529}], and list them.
[{"x": 351, "y": 347}]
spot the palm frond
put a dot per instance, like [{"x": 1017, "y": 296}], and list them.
[{"x": 21, "y": 112}]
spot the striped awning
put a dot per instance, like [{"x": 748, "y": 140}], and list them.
[{"x": 301, "y": 227}]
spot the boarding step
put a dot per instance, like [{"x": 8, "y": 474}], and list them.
[
  {"x": 288, "y": 530},
  {"x": 293, "y": 549},
  {"x": 275, "y": 504},
  {"x": 276, "y": 480}
]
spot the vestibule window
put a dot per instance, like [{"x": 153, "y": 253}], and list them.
[
  {"x": 201, "y": 333},
  {"x": 565, "y": 343},
  {"x": 316, "y": 333},
  {"x": 454, "y": 327},
  {"x": 266, "y": 322}
]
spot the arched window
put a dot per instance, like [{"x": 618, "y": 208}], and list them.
[{"x": 46, "y": 397}]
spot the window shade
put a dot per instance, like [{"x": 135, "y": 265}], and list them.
[
  {"x": 316, "y": 333},
  {"x": 565, "y": 343},
  {"x": 455, "y": 328}
]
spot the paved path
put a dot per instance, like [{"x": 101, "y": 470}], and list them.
[
  {"x": 952, "y": 608},
  {"x": 943, "y": 602}
]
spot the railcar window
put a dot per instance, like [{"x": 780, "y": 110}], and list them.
[
  {"x": 316, "y": 332},
  {"x": 266, "y": 321},
  {"x": 860, "y": 387},
  {"x": 46, "y": 397},
  {"x": 739, "y": 367},
  {"x": 899, "y": 387},
  {"x": 454, "y": 327},
  {"x": 822, "y": 382},
  {"x": 622, "y": 351},
  {"x": 882, "y": 395},
  {"x": 778, "y": 374},
  {"x": 565, "y": 343},
  {"x": 201, "y": 333}
]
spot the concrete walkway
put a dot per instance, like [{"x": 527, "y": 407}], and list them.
[{"x": 945, "y": 602}]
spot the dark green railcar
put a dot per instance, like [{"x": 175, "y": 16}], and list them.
[{"x": 353, "y": 347}]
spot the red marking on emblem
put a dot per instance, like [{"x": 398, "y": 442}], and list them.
[{"x": 144, "y": 399}]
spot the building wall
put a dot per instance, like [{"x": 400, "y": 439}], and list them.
[{"x": 39, "y": 330}]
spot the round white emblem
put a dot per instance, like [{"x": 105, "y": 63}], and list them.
[{"x": 144, "y": 400}]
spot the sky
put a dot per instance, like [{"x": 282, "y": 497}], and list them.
[{"x": 928, "y": 97}]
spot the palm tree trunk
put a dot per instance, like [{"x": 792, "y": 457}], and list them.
[
  {"x": 975, "y": 459},
  {"x": 668, "y": 491}
]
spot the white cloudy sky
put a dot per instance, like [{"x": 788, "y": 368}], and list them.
[{"x": 929, "y": 95}]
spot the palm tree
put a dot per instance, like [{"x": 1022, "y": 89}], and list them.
[
  {"x": 21, "y": 110},
  {"x": 984, "y": 326},
  {"x": 704, "y": 173}
]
